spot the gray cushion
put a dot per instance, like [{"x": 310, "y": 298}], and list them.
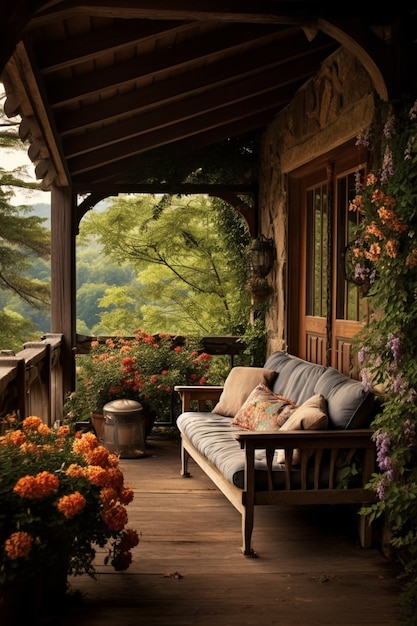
[
  {"x": 349, "y": 406},
  {"x": 212, "y": 435}
]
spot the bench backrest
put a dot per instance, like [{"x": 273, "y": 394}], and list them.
[{"x": 349, "y": 405}]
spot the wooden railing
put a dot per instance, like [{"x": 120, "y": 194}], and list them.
[{"x": 31, "y": 380}]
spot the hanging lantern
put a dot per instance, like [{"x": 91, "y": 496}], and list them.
[{"x": 261, "y": 254}]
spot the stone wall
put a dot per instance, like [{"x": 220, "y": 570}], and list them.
[{"x": 326, "y": 112}]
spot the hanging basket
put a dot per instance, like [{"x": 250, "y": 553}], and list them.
[
  {"x": 259, "y": 288},
  {"x": 362, "y": 274}
]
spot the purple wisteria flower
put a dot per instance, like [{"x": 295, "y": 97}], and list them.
[
  {"x": 413, "y": 111},
  {"x": 407, "y": 152},
  {"x": 399, "y": 385},
  {"x": 410, "y": 433},
  {"x": 387, "y": 165},
  {"x": 362, "y": 139},
  {"x": 366, "y": 383},
  {"x": 380, "y": 490},
  {"x": 385, "y": 464},
  {"x": 389, "y": 128},
  {"x": 358, "y": 181},
  {"x": 362, "y": 355},
  {"x": 394, "y": 344}
]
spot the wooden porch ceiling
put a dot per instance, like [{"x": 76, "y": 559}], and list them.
[{"x": 101, "y": 85}]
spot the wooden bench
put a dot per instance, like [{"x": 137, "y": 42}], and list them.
[{"x": 335, "y": 464}]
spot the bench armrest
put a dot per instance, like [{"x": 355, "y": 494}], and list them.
[{"x": 205, "y": 396}]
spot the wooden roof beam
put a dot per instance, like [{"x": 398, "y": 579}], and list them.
[
  {"x": 198, "y": 140},
  {"x": 175, "y": 131},
  {"x": 275, "y": 87},
  {"x": 186, "y": 56},
  {"x": 208, "y": 78},
  {"x": 249, "y": 11},
  {"x": 87, "y": 47}
]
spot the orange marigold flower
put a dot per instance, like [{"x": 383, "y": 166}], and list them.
[
  {"x": 72, "y": 504},
  {"x": 86, "y": 443},
  {"x": 178, "y": 349},
  {"x": 115, "y": 478},
  {"x": 17, "y": 437},
  {"x": 18, "y": 545},
  {"x": 43, "y": 429},
  {"x": 94, "y": 344},
  {"x": 75, "y": 471},
  {"x": 113, "y": 460},
  {"x": 31, "y": 423},
  {"x": 98, "y": 456},
  {"x": 42, "y": 485},
  {"x": 115, "y": 518},
  {"x": 153, "y": 378},
  {"x": 63, "y": 431},
  {"x": 121, "y": 561},
  {"x": 28, "y": 447},
  {"x": 129, "y": 540},
  {"x": 126, "y": 495},
  {"x": 109, "y": 496},
  {"x": 97, "y": 475}
]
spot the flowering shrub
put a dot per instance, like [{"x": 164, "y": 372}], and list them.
[
  {"x": 386, "y": 248},
  {"x": 57, "y": 493},
  {"x": 145, "y": 368}
]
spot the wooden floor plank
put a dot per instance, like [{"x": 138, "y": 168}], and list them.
[{"x": 188, "y": 568}]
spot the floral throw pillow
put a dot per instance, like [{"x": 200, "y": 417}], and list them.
[{"x": 263, "y": 410}]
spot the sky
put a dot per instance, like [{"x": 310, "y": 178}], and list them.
[{"x": 11, "y": 159}]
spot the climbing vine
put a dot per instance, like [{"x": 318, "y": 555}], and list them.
[{"x": 385, "y": 252}]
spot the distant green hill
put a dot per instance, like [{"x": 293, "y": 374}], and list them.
[{"x": 44, "y": 211}]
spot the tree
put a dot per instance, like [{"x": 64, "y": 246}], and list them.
[
  {"x": 189, "y": 256},
  {"x": 22, "y": 238}
]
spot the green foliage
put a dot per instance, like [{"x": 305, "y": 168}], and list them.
[
  {"x": 144, "y": 368},
  {"x": 23, "y": 239},
  {"x": 15, "y": 330},
  {"x": 232, "y": 161},
  {"x": 386, "y": 243},
  {"x": 190, "y": 264}
]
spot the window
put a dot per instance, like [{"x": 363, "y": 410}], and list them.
[
  {"x": 317, "y": 251},
  {"x": 348, "y": 299}
]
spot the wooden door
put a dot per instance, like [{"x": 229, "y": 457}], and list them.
[{"x": 325, "y": 311}]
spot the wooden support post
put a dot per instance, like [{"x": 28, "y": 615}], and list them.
[{"x": 63, "y": 283}]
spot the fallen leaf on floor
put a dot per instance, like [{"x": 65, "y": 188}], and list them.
[{"x": 174, "y": 575}]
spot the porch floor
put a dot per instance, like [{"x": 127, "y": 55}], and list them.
[{"x": 188, "y": 568}]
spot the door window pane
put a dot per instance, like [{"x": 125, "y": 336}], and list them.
[
  {"x": 348, "y": 298},
  {"x": 317, "y": 251}
]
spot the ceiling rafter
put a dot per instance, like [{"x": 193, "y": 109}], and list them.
[
  {"x": 104, "y": 83},
  {"x": 187, "y": 56}
]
